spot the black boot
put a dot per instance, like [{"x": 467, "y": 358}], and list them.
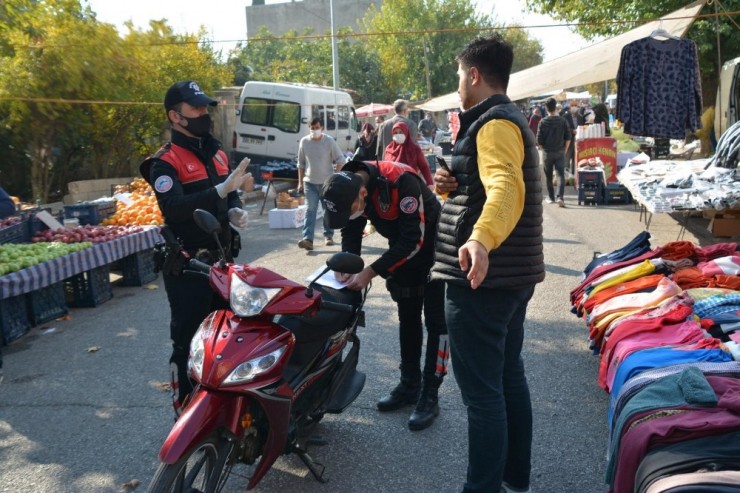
[
  {"x": 406, "y": 393},
  {"x": 427, "y": 409}
]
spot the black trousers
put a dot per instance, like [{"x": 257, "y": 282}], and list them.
[
  {"x": 413, "y": 294},
  {"x": 191, "y": 300}
]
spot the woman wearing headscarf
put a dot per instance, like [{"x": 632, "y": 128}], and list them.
[
  {"x": 601, "y": 114},
  {"x": 365, "y": 147},
  {"x": 403, "y": 149}
]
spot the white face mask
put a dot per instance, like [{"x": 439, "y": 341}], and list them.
[
  {"x": 399, "y": 138},
  {"x": 316, "y": 133},
  {"x": 356, "y": 215}
]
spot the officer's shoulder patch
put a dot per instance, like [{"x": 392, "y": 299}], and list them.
[
  {"x": 409, "y": 205},
  {"x": 163, "y": 184}
]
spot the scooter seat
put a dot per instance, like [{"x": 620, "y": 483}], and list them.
[{"x": 326, "y": 322}]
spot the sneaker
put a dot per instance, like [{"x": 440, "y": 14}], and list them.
[
  {"x": 561, "y": 203},
  {"x": 505, "y": 488},
  {"x": 306, "y": 244},
  {"x": 329, "y": 241},
  {"x": 550, "y": 201}
]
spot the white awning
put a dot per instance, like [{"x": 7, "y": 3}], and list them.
[{"x": 598, "y": 62}]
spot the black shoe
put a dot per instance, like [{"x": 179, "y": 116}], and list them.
[
  {"x": 427, "y": 409},
  {"x": 403, "y": 395}
]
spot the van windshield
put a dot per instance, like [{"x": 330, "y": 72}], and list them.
[{"x": 282, "y": 115}]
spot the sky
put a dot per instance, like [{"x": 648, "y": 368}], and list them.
[{"x": 225, "y": 20}]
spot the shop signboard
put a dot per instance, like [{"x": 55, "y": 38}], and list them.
[{"x": 604, "y": 148}]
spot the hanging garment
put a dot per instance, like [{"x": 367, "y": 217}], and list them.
[{"x": 659, "y": 88}]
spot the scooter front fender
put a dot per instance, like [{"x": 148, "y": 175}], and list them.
[{"x": 206, "y": 413}]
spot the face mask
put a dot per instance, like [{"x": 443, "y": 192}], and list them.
[
  {"x": 356, "y": 215},
  {"x": 199, "y": 126},
  {"x": 315, "y": 134},
  {"x": 399, "y": 138}
]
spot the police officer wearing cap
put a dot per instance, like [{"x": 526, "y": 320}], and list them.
[
  {"x": 192, "y": 172},
  {"x": 394, "y": 198}
]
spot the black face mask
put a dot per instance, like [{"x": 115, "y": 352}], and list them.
[{"x": 199, "y": 126}]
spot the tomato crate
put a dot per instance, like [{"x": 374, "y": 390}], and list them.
[
  {"x": 16, "y": 233},
  {"x": 47, "y": 303},
  {"x": 90, "y": 212},
  {"x": 88, "y": 289},
  {"x": 138, "y": 269},
  {"x": 14, "y": 320}
]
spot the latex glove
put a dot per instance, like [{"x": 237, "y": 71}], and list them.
[
  {"x": 238, "y": 218},
  {"x": 234, "y": 180}
]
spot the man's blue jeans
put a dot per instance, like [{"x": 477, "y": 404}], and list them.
[
  {"x": 486, "y": 332},
  {"x": 313, "y": 196}
]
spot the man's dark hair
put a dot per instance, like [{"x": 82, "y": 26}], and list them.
[
  {"x": 317, "y": 121},
  {"x": 492, "y": 56},
  {"x": 551, "y": 104}
]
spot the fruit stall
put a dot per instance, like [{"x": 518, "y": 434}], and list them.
[{"x": 51, "y": 262}]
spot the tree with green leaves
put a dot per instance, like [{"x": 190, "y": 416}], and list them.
[
  {"x": 613, "y": 17},
  {"x": 78, "y": 100}
]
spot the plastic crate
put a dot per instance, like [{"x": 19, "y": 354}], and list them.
[
  {"x": 590, "y": 195},
  {"x": 617, "y": 194},
  {"x": 35, "y": 224},
  {"x": 13, "y": 318},
  {"x": 17, "y": 233},
  {"x": 138, "y": 269},
  {"x": 88, "y": 289},
  {"x": 47, "y": 303},
  {"x": 90, "y": 213}
]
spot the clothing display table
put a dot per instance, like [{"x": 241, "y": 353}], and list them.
[{"x": 47, "y": 273}]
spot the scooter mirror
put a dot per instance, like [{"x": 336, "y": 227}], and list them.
[
  {"x": 206, "y": 221},
  {"x": 346, "y": 262}
]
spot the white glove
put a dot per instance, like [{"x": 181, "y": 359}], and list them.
[
  {"x": 234, "y": 180},
  {"x": 238, "y": 218}
]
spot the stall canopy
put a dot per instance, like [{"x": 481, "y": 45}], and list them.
[
  {"x": 373, "y": 109},
  {"x": 596, "y": 63}
]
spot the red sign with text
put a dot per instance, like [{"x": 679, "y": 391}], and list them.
[{"x": 604, "y": 148}]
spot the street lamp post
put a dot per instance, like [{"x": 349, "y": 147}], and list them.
[{"x": 334, "y": 54}]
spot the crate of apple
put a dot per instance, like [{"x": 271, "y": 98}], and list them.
[
  {"x": 77, "y": 234},
  {"x": 15, "y": 257},
  {"x": 9, "y": 221}
]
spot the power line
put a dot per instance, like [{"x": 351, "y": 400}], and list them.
[{"x": 414, "y": 32}]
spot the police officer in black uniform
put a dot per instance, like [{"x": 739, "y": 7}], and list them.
[
  {"x": 191, "y": 172},
  {"x": 394, "y": 198}
]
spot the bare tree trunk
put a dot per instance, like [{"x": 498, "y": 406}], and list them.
[{"x": 41, "y": 163}]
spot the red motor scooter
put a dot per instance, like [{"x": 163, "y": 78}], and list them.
[{"x": 266, "y": 371}]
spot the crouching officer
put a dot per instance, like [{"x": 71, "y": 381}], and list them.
[
  {"x": 393, "y": 197},
  {"x": 191, "y": 172}
]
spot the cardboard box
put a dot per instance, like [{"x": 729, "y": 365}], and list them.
[
  {"x": 287, "y": 218},
  {"x": 723, "y": 226},
  {"x": 287, "y": 204}
]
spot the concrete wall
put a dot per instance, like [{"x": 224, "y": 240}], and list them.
[{"x": 283, "y": 17}]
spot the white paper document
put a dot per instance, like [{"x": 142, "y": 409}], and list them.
[{"x": 327, "y": 279}]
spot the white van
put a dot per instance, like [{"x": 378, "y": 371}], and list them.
[{"x": 272, "y": 118}]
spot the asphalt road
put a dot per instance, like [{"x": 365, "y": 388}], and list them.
[{"x": 82, "y": 407}]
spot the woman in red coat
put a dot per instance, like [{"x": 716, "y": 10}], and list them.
[{"x": 403, "y": 149}]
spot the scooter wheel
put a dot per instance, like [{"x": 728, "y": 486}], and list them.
[{"x": 205, "y": 468}]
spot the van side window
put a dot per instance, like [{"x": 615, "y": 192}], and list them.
[
  {"x": 255, "y": 111},
  {"x": 268, "y": 113},
  {"x": 343, "y": 116},
  {"x": 287, "y": 117},
  {"x": 331, "y": 118}
]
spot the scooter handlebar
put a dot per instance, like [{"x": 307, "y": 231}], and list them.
[
  {"x": 337, "y": 307},
  {"x": 199, "y": 266}
]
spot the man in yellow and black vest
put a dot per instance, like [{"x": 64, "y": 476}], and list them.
[{"x": 192, "y": 172}]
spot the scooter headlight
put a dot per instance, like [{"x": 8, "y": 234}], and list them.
[
  {"x": 250, "y": 369},
  {"x": 197, "y": 353},
  {"x": 247, "y": 300}
]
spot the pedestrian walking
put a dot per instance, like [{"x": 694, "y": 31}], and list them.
[
  {"x": 553, "y": 136},
  {"x": 318, "y": 155}
]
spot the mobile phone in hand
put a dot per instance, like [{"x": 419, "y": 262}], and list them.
[{"x": 442, "y": 164}]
